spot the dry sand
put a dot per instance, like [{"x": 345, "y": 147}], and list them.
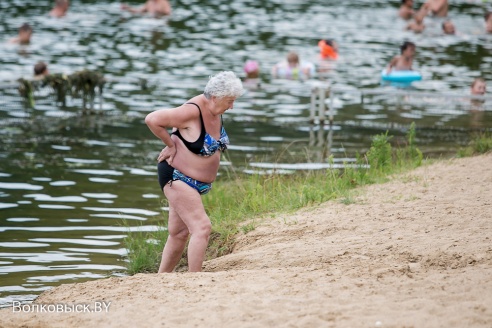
[{"x": 413, "y": 252}]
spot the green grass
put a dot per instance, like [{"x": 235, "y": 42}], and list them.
[
  {"x": 480, "y": 144},
  {"x": 244, "y": 198},
  {"x": 144, "y": 249}
]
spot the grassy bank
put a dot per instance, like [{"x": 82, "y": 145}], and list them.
[{"x": 234, "y": 203}]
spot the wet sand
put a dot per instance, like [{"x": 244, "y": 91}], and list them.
[{"x": 413, "y": 252}]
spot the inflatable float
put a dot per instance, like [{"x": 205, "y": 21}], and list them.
[{"x": 400, "y": 76}]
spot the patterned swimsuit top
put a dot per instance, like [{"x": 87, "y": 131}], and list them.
[{"x": 205, "y": 145}]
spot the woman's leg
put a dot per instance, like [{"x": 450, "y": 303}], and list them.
[
  {"x": 176, "y": 242},
  {"x": 188, "y": 206}
]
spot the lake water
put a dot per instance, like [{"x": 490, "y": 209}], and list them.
[{"x": 67, "y": 179}]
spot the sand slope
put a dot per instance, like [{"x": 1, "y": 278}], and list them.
[{"x": 414, "y": 252}]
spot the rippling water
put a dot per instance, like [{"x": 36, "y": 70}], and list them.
[{"x": 67, "y": 180}]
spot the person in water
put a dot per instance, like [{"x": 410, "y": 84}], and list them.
[
  {"x": 417, "y": 25},
  {"x": 405, "y": 60},
  {"x": 328, "y": 49},
  {"x": 438, "y": 8},
  {"x": 60, "y": 9},
  {"x": 189, "y": 163},
  {"x": 40, "y": 70},
  {"x": 292, "y": 68},
  {"x": 448, "y": 27},
  {"x": 478, "y": 87},
  {"x": 488, "y": 22},
  {"x": 24, "y": 35},
  {"x": 406, "y": 9},
  {"x": 252, "y": 70},
  {"x": 153, "y": 7}
]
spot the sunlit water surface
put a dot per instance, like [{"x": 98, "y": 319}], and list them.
[{"x": 68, "y": 179}]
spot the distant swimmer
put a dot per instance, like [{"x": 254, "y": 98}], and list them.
[
  {"x": 488, "y": 22},
  {"x": 406, "y": 9},
  {"x": 448, "y": 27},
  {"x": 405, "y": 60},
  {"x": 153, "y": 7},
  {"x": 252, "y": 70},
  {"x": 60, "y": 9},
  {"x": 328, "y": 49},
  {"x": 417, "y": 25},
  {"x": 24, "y": 35},
  {"x": 293, "y": 68},
  {"x": 438, "y": 8},
  {"x": 40, "y": 70},
  {"x": 478, "y": 87}
]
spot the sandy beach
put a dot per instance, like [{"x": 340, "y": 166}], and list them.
[{"x": 413, "y": 252}]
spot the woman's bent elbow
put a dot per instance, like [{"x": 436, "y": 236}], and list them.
[{"x": 149, "y": 119}]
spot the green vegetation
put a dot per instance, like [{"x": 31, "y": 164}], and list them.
[
  {"x": 480, "y": 144},
  {"x": 144, "y": 249},
  {"x": 82, "y": 84},
  {"x": 26, "y": 90},
  {"x": 235, "y": 202}
]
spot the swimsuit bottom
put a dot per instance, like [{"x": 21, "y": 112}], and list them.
[{"x": 167, "y": 174}]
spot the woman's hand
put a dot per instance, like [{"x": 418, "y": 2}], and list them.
[{"x": 167, "y": 154}]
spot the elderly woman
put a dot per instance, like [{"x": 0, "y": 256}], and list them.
[{"x": 188, "y": 165}]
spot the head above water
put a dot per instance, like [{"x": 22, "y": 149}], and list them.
[
  {"x": 407, "y": 45},
  {"x": 40, "y": 69},
  {"x": 25, "y": 28},
  {"x": 25, "y": 32},
  {"x": 478, "y": 87},
  {"x": 448, "y": 27},
  {"x": 328, "y": 49},
  {"x": 419, "y": 19},
  {"x": 62, "y": 4},
  {"x": 408, "y": 3},
  {"x": 251, "y": 66},
  {"x": 222, "y": 85},
  {"x": 252, "y": 69},
  {"x": 293, "y": 58}
]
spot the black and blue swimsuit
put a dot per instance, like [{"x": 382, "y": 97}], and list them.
[{"x": 205, "y": 145}]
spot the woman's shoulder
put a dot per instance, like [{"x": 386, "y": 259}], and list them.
[{"x": 196, "y": 101}]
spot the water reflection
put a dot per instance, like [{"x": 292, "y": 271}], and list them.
[{"x": 68, "y": 180}]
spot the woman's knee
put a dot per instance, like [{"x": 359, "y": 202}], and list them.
[
  {"x": 204, "y": 228},
  {"x": 181, "y": 234}
]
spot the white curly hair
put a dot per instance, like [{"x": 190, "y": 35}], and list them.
[{"x": 224, "y": 84}]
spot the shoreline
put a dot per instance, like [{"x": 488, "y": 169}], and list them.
[{"x": 412, "y": 252}]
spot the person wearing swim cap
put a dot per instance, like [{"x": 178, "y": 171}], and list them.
[
  {"x": 328, "y": 49},
  {"x": 252, "y": 70}
]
